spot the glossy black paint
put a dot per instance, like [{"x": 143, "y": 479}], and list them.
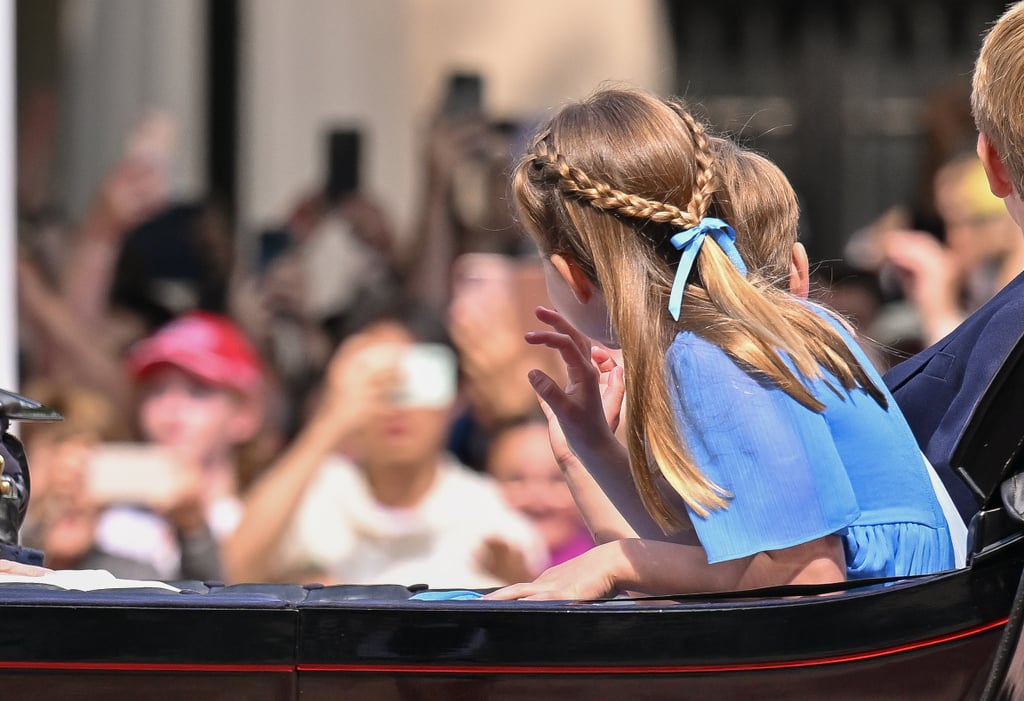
[
  {"x": 931, "y": 638},
  {"x": 143, "y": 627},
  {"x": 848, "y": 645}
]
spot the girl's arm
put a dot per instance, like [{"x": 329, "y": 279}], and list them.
[
  {"x": 660, "y": 568},
  {"x": 603, "y": 488},
  {"x": 582, "y": 418}
]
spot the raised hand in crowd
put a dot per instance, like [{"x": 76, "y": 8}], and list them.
[
  {"x": 137, "y": 187},
  {"x": 931, "y": 278}
]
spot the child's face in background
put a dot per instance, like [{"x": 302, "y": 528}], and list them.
[
  {"x": 591, "y": 317},
  {"x": 195, "y": 419},
  {"x": 978, "y": 227},
  {"x": 521, "y": 461}
]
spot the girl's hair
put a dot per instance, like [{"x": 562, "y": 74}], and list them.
[{"x": 606, "y": 183}]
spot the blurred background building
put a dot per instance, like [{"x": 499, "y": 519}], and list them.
[
  {"x": 253, "y": 85},
  {"x": 861, "y": 104},
  {"x": 837, "y": 92}
]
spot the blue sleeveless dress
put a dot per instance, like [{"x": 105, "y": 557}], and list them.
[{"x": 795, "y": 475}]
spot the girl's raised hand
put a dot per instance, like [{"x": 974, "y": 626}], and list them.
[{"x": 587, "y": 409}]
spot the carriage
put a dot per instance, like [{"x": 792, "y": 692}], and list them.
[{"x": 950, "y": 635}]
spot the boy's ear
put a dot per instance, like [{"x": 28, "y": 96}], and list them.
[
  {"x": 581, "y": 286},
  {"x": 799, "y": 271},
  {"x": 999, "y": 180}
]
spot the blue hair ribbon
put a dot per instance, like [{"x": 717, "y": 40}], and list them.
[{"x": 689, "y": 242}]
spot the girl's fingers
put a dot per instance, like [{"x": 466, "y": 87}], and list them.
[
  {"x": 553, "y": 400},
  {"x": 614, "y": 384},
  {"x": 508, "y": 593},
  {"x": 559, "y": 323},
  {"x": 578, "y": 365},
  {"x": 528, "y": 591},
  {"x": 612, "y": 396},
  {"x": 545, "y": 408},
  {"x": 602, "y": 358},
  {"x": 545, "y": 596},
  {"x": 558, "y": 341}
]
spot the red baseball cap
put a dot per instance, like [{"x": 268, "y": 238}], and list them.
[{"x": 209, "y": 346}]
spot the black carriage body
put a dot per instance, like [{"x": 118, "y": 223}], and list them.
[{"x": 932, "y": 638}]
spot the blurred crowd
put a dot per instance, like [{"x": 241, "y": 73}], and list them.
[{"x": 352, "y": 405}]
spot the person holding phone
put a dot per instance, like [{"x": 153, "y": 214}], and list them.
[
  {"x": 202, "y": 388},
  {"x": 465, "y": 208},
  {"x": 334, "y": 251},
  {"x": 367, "y": 492}
]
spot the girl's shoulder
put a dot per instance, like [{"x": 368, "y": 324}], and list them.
[
  {"x": 689, "y": 341},
  {"x": 832, "y": 317},
  {"x": 690, "y": 356}
]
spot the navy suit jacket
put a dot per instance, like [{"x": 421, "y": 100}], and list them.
[{"x": 938, "y": 388}]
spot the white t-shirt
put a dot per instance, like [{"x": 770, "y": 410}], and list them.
[
  {"x": 139, "y": 534},
  {"x": 343, "y": 532}
]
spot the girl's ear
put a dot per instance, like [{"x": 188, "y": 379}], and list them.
[
  {"x": 999, "y": 180},
  {"x": 799, "y": 272},
  {"x": 581, "y": 285}
]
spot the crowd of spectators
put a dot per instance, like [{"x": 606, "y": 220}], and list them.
[
  {"x": 267, "y": 420},
  {"x": 322, "y": 413}
]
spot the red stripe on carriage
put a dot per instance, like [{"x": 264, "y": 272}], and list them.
[
  {"x": 487, "y": 669},
  {"x": 645, "y": 669}
]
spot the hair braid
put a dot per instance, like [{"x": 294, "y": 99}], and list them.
[
  {"x": 704, "y": 180},
  {"x": 571, "y": 180}
]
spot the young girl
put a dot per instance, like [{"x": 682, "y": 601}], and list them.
[{"x": 762, "y": 447}]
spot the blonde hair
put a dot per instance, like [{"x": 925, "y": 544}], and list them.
[
  {"x": 606, "y": 183},
  {"x": 997, "y": 92}
]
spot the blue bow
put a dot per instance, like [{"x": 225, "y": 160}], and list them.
[{"x": 689, "y": 242}]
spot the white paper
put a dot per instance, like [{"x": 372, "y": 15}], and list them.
[{"x": 85, "y": 580}]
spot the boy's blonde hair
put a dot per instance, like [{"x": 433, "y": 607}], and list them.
[
  {"x": 606, "y": 183},
  {"x": 997, "y": 94}
]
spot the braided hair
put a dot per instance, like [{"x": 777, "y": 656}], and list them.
[{"x": 606, "y": 184}]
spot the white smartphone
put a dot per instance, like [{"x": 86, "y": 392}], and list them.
[
  {"x": 428, "y": 376},
  {"x": 131, "y": 473}
]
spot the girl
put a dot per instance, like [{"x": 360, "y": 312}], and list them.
[{"x": 762, "y": 447}]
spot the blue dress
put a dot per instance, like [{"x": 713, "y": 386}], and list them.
[{"x": 795, "y": 475}]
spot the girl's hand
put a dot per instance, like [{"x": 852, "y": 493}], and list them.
[
  {"x": 587, "y": 576},
  {"x": 590, "y": 404}
]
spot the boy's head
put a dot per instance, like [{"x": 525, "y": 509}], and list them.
[
  {"x": 997, "y": 96},
  {"x": 201, "y": 385}
]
